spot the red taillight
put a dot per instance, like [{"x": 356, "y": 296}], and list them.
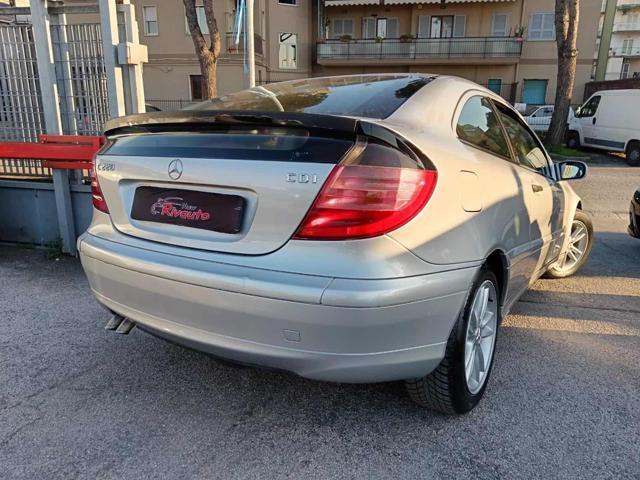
[
  {"x": 96, "y": 192},
  {"x": 361, "y": 201}
]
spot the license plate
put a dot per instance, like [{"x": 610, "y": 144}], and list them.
[{"x": 189, "y": 208}]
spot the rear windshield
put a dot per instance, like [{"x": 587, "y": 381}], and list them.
[
  {"x": 274, "y": 144},
  {"x": 372, "y": 96}
]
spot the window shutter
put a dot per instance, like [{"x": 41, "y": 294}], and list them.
[
  {"x": 459, "y": 25},
  {"x": 347, "y": 26},
  {"x": 393, "y": 28},
  {"x": 368, "y": 28},
  {"x": 499, "y": 25},
  {"x": 423, "y": 26}
]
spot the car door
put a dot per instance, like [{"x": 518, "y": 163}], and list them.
[
  {"x": 543, "y": 198},
  {"x": 587, "y": 120},
  {"x": 498, "y": 214}
]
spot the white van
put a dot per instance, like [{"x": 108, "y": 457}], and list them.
[{"x": 609, "y": 120}]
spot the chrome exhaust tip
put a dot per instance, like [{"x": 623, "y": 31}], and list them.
[
  {"x": 114, "y": 322},
  {"x": 125, "y": 327}
]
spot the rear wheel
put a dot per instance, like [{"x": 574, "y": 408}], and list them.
[
  {"x": 573, "y": 139},
  {"x": 578, "y": 249},
  {"x": 632, "y": 153},
  {"x": 459, "y": 382}
]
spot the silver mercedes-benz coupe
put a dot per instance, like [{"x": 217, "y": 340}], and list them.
[{"x": 363, "y": 228}]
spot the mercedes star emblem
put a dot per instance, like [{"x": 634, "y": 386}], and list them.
[{"x": 175, "y": 169}]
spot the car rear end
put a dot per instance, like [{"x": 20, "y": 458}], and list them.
[{"x": 262, "y": 239}]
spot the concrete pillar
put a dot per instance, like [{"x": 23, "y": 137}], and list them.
[
  {"x": 131, "y": 56},
  {"x": 110, "y": 38}
]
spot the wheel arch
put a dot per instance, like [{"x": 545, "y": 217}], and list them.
[
  {"x": 498, "y": 262},
  {"x": 630, "y": 142}
]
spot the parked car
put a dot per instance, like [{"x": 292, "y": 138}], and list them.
[
  {"x": 609, "y": 120},
  {"x": 148, "y": 108},
  {"x": 363, "y": 228},
  {"x": 539, "y": 116},
  {"x": 634, "y": 215}
]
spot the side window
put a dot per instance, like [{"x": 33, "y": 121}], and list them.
[
  {"x": 525, "y": 145},
  {"x": 589, "y": 109},
  {"x": 479, "y": 126}
]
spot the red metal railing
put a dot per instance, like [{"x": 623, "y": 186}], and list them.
[{"x": 66, "y": 152}]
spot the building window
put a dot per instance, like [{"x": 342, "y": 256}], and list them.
[
  {"x": 202, "y": 21},
  {"x": 288, "y": 50},
  {"x": 500, "y": 25},
  {"x": 196, "y": 84},
  {"x": 542, "y": 26},
  {"x": 292, "y": 3},
  {"x": 441, "y": 26},
  {"x": 150, "y": 16},
  {"x": 342, "y": 26},
  {"x": 624, "y": 73},
  {"x": 380, "y": 27},
  {"x": 627, "y": 46}
]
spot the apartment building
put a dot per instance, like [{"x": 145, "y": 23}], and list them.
[
  {"x": 619, "y": 40},
  {"x": 282, "y": 45},
  {"x": 507, "y": 45}
]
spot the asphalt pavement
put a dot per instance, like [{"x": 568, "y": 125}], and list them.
[{"x": 563, "y": 401}]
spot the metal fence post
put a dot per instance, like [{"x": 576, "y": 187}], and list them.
[
  {"x": 65, "y": 75},
  {"x": 53, "y": 124},
  {"x": 109, "y": 27}
]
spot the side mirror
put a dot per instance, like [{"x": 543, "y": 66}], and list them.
[{"x": 570, "y": 170}]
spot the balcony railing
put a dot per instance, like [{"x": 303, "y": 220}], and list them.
[
  {"x": 626, "y": 27},
  {"x": 628, "y": 4},
  {"x": 239, "y": 48},
  {"x": 390, "y": 48},
  {"x": 625, "y": 52}
]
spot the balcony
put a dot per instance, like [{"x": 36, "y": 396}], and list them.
[
  {"x": 232, "y": 48},
  {"x": 420, "y": 50},
  {"x": 626, "y": 27},
  {"x": 625, "y": 5}
]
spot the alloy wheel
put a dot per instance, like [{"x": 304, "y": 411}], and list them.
[
  {"x": 480, "y": 337},
  {"x": 578, "y": 243}
]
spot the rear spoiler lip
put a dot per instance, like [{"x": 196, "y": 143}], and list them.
[
  {"x": 129, "y": 123},
  {"x": 336, "y": 123}
]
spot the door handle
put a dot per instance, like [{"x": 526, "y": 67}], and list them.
[
  {"x": 593, "y": 121},
  {"x": 536, "y": 188}
]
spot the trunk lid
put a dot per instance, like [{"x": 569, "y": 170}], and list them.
[{"x": 240, "y": 184}]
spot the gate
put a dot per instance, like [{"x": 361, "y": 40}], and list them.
[
  {"x": 64, "y": 69},
  {"x": 21, "y": 117},
  {"x": 81, "y": 78}
]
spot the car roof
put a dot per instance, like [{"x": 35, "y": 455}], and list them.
[{"x": 433, "y": 105}]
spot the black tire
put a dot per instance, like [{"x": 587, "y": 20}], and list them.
[
  {"x": 632, "y": 153},
  {"x": 553, "y": 272},
  {"x": 445, "y": 389},
  {"x": 573, "y": 139}
]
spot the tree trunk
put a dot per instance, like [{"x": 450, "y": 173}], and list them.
[
  {"x": 566, "y": 20},
  {"x": 207, "y": 54}
]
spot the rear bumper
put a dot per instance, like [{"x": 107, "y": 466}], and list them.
[{"x": 323, "y": 328}]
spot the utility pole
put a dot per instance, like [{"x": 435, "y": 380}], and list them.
[{"x": 251, "y": 48}]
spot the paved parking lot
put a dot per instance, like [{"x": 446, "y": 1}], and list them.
[{"x": 563, "y": 401}]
